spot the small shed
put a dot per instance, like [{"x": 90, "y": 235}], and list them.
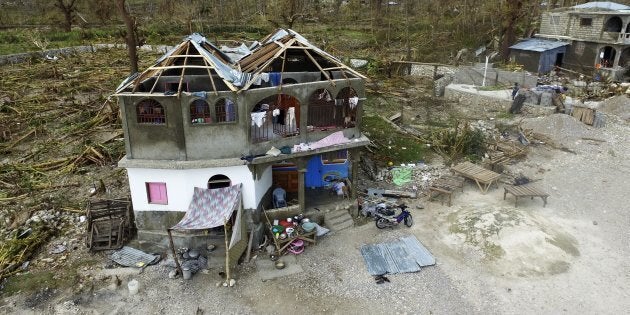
[{"x": 539, "y": 55}]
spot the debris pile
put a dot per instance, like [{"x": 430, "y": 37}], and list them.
[{"x": 561, "y": 130}]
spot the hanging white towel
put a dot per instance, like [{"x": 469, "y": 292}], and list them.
[
  {"x": 258, "y": 118},
  {"x": 290, "y": 120},
  {"x": 264, "y": 76},
  {"x": 276, "y": 112},
  {"x": 353, "y": 102}
]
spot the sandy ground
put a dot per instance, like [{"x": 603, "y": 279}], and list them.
[{"x": 492, "y": 258}]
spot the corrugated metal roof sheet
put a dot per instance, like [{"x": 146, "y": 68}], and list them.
[
  {"x": 403, "y": 255},
  {"x": 607, "y": 5},
  {"x": 538, "y": 44}
]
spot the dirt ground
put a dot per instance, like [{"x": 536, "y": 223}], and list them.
[{"x": 492, "y": 257}]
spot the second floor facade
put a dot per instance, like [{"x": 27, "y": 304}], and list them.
[
  {"x": 197, "y": 104},
  {"x": 594, "y": 23}
]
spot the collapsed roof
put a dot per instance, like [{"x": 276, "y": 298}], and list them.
[{"x": 240, "y": 67}]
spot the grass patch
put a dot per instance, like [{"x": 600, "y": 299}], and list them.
[
  {"x": 393, "y": 146},
  {"x": 30, "y": 282}
]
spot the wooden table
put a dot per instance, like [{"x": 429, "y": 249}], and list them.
[
  {"x": 483, "y": 177},
  {"x": 527, "y": 190},
  {"x": 307, "y": 237}
]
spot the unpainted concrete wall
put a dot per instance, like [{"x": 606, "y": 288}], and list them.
[
  {"x": 474, "y": 75},
  {"x": 180, "y": 139},
  {"x": 472, "y": 104}
]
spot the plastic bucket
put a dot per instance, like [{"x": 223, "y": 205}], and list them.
[
  {"x": 133, "y": 287},
  {"x": 186, "y": 274}
]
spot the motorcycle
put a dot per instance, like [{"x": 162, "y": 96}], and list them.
[{"x": 383, "y": 221}]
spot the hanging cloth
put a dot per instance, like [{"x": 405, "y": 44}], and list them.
[
  {"x": 353, "y": 102},
  {"x": 258, "y": 118}
]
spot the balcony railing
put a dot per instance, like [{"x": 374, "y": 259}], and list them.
[{"x": 624, "y": 38}]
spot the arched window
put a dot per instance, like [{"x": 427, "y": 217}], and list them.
[
  {"x": 219, "y": 181},
  {"x": 225, "y": 110},
  {"x": 276, "y": 115},
  {"x": 349, "y": 100},
  {"x": 607, "y": 56},
  {"x": 613, "y": 24},
  {"x": 150, "y": 111},
  {"x": 322, "y": 112},
  {"x": 200, "y": 112}
]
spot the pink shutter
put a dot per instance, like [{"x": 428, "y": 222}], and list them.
[
  {"x": 157, "y": 193},
  {"x": 163, "y": 198}
]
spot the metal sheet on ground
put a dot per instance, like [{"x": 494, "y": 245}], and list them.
[
  {"x": 131, "y": 257},
  {"x": 421, "y": 254},
  {"x": 406, "y": 254}
]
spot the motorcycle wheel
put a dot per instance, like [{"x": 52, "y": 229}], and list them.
[
  {"x": 409, "y": 221},
  {"x": 381, "y": 223}
]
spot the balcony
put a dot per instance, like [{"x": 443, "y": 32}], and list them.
[{"x": 624, "y": 38}]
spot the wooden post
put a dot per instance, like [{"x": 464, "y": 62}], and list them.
[
  {"x": 301, "y": 168},
  {"x": 170, "y": 239},
  {"x": 227, "y": 253}
]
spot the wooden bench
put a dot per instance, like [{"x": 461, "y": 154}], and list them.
[
  {"x": 483, "y": 177},
  {"x": 445, "y": 185},
  {"x": 527, "y": 190}
]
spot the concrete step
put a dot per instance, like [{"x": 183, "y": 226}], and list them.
[
  {"x": 342, "y": 226},
  {"x": 338, "y": 220}
]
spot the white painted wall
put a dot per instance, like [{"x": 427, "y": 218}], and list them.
[
  {"x": 180, "y": 185},
  {"x": 263, "y": 184}
]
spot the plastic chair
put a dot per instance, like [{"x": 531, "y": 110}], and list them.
[{"x": 279, "y": 198}]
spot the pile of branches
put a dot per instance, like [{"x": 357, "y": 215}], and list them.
[
  {"x": 16, "y": 251},
  {"x": 461, "y": 140}
]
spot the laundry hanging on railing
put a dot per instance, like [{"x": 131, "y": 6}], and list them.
[
  {"x": 290, "y": 120},
  {"x": 258, "y": 119},
  {"x": 353, "y": 102}
]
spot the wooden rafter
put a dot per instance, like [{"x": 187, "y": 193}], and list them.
[
  {"x": 267, "y": 63},
  {"x": 319, "y": 67},
  {"x": 153, "y": 70},
  {"x": 211, "y": 79},
  {"x": 181, "y": 76}
]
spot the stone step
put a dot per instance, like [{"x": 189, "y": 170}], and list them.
[
  {"x": 330, "y": 216},
  {"x": 338, "y": 220},
  {"x": 342, "y": 226}
]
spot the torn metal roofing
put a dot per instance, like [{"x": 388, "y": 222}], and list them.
[
  {"x": 538, "y": 44},
  {"x": 605, "y": 5},
  {"x": 239, "y": 67},
  {"x": 180, "y": 58}
]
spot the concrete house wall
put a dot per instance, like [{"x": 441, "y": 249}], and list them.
[
  {"x": 180, "y": 139},
  {"x": 588, "y": 40}
]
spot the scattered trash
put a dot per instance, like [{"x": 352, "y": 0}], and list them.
[
  {"x": 133, "y": 287},
  {"x": 58, "y": 249},
  {"x": 381, "y": 279}
]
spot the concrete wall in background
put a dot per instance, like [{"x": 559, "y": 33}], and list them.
[{"x": 474, "y": 75}]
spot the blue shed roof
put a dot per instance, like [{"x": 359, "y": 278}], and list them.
[
  {"x": 538, "y": 44},
  {"x": 607, "y": 5}
]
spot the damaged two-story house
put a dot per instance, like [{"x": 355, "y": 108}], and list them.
[
  {"x": 585, "y": 37},
  {"x": 276, "y": 112}
]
